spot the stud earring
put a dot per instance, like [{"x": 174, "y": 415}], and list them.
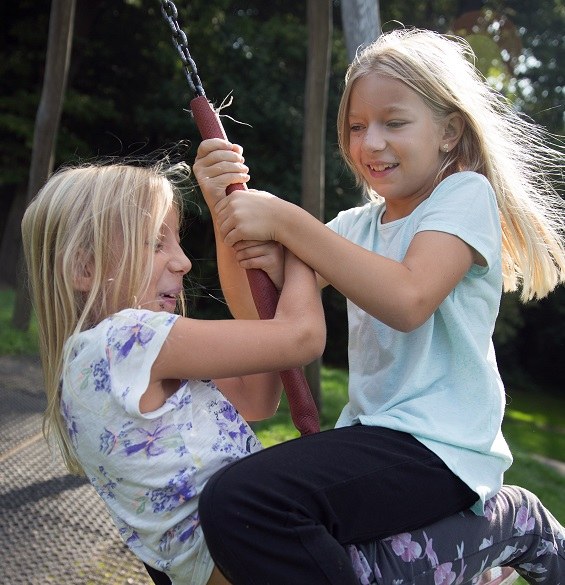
[{"x": 445, "y": 148}]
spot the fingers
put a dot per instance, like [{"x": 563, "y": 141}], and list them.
[
  {"x": 219, "y": 164},
  {"x": 214, "y": 152},
  {"x": 246, "y": 215},
  {"x": 266, "y": 256},
  {"x": 211, "y": 145},
  {"x": 252, "y": 248}
]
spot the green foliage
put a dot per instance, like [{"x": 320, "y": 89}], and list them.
[
  {"x": 127, "y": 96},
  {"x": 13, "y": 341}
]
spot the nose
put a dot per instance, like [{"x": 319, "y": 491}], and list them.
[
  {"x": 179, "y": 261},
  {"x": 374, "y": 138}
]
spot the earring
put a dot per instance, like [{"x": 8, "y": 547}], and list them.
[{"x": 445, "y": 147}]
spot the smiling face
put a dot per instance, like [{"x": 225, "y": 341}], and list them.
[
  {"x": 395, "y": 142},
  {"x": 170, "y": 264}
]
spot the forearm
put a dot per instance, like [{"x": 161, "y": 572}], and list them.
[
  {"x": 382, "y": 287},
  {"x": 256, "y": 396},
  {"x": 234, "y": 283},
  {"x": 219, "y": 164},
  {"x": 402, "y": 294}
]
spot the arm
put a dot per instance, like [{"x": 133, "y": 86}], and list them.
[
  {"x": 401, "y": 294},
  {"x": 219, "y": 164},
  {"x": 240, "y": 348}
]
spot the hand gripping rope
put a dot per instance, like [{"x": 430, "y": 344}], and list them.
[{"x": 302, "y": 407}]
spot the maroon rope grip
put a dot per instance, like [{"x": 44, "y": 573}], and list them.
[{"x": 302, "y": 406}]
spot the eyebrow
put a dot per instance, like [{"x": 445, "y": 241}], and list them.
[{"x": 393, "y": 109}]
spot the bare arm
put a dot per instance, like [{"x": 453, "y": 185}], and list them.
[
  {"x": 401, "y": 294},
  {"x": 219, "y": 164},
  {"x": 239, "y": 349}
]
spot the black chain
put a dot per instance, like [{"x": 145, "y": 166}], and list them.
[{"x": 170, "y": 14}]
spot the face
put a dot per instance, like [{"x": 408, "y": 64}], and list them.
[
  {"x": 170, "y": 264},
  {"x": 394, "y": 142}
]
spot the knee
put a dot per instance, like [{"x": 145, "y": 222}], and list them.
[
  {"x": 524, "y": 512},
  {"x": 518, "y": 498}
]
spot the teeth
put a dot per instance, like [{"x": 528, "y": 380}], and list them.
[{"x": 380, "y": 168}]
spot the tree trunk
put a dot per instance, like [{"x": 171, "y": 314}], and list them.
[
  {"x": 361, "y": 23},
  {"x": 320, "y": 27},
  {"x": 11, "y": 237},
  {"x": 47, "y": 121}
]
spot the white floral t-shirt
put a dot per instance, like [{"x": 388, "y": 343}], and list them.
[{"x": 149, "y": 468}]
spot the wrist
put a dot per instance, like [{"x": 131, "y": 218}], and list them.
[{"x": 282, "y": 226}]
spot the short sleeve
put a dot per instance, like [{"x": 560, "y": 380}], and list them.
[
  {"x": 465, "y": 205},
  {"x": 133, "y": 340},
  {"x": 355, "y": 219}
]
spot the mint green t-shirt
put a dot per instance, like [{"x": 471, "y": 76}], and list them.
[{"x": 439, "y": 382}]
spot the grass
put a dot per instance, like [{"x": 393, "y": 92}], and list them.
[
  {"x": 534, "y": 426},
  {"x": 13, "y": 341}
]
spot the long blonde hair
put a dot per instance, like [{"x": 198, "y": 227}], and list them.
[
  {"x": 89, "y": 219},
  {"x": 519, "y": 158}
]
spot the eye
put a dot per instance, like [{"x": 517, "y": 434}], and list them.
[
  {"x": 158, "y": 244},
  {"x": 356, "y": 127},
  {"x": 396, "y": 123}
]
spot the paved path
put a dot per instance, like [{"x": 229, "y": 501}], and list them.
[{"x": 53, "y": 526}]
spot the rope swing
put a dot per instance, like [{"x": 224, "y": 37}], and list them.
[{"x": 303, "y": 409}]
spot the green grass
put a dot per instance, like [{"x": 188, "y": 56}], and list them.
[
  {"x": 534, "y": 425},
  {"x": 13, "y": 341}
]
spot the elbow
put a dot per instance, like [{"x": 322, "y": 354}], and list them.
[
  {"x": 312, "y": 342},
  {"x": 411, "y": 312},
  {"x": 262, "y": 412},
  {"x": 406, "y": 323}
]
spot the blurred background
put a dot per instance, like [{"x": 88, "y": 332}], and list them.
[{"x": 127, "y": 96}]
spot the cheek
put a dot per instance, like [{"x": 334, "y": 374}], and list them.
[{"x": 355, "y": 149}]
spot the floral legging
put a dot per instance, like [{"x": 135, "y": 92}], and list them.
[{"x": 516, "y": 531}]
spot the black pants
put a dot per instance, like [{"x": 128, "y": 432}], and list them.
[{"x": 283, "y": 515}]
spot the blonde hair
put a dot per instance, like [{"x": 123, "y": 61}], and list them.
[
  {"x": 89, "y": 220},
  {"x": 520, "y": 159}
]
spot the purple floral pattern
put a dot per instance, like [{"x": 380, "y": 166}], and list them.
[
  {"x": 149, "y": 469},
  {"x": 516, "y": 531}
]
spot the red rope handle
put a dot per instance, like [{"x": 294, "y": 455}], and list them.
[{"x": 302, "y": 406}]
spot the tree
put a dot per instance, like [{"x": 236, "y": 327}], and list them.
[
  {"x": 320, "y": 25},
  {"x": 361, "y": 23},
  {"x": 47, "y": 121}
]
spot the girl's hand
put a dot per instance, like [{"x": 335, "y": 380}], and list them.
[
  {"x": 266, "y": 256},
  {"x": 218, "y": 164},
  {"x": 247, "y": 215}
]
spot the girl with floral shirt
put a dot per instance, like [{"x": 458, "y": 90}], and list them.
[{"x": 146, "y": 403}]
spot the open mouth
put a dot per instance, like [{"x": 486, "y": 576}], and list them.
[
  {"x": 383, "y": 167},
  {"x": 168, "y": 301},
  {"x": 169, "y": 296}
]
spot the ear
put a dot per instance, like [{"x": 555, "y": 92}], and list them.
[
  {"x": 84, "y": 273},
  {"x": 453, "y": 127}
]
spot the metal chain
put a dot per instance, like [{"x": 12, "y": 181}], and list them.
[{"x": 170, "y": 14}]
